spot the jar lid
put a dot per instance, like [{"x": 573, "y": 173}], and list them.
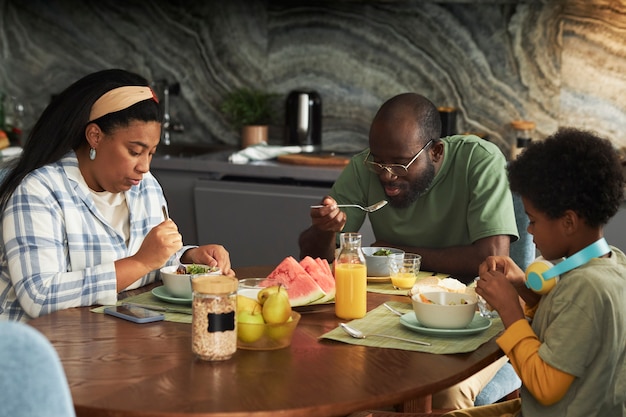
[
  {"x": 523, "y": 124},
  {"x": 214, "y": 284}
]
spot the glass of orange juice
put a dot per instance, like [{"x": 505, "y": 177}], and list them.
[
  {"x": 350, "y": 278},
  {"x": 403, "y": 269},
  {"x": 351, "y": 291}
]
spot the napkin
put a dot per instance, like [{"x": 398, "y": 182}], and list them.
[
  {"x": 380, "y": 320},
  {"x": 261, "y": 152}
]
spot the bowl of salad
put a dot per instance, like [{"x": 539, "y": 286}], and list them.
[
  {"x": 376, "y": 260},
  {"x": 177, "y": 278}
]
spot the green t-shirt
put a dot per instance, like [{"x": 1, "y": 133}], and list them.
[
  {"x": 468, "y": 200},
  {"x": 581, "y": 324}
]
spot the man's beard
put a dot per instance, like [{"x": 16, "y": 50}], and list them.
[{"x": 413, "y": 190}]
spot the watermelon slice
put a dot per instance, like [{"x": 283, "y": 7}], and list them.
[
  {"x": 324, "y": 264},
  {"x": 301, "y": 288},
  {"x": 322, "y": 275}
]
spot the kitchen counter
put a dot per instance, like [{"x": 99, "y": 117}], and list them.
[
  {"x": 216, "y": 166},
  {"x": 256, "y": 210}
]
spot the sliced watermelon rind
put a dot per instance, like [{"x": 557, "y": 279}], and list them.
[
  {"x": 322, "y": 275},
  {"x": 301, "y": 288}
]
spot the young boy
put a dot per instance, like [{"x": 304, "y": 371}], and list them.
[{"x": 568, "y": 343}]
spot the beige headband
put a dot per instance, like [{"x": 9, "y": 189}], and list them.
[{"x": 119, "y": 99}]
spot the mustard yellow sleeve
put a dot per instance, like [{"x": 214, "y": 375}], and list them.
[
  {"x": 529, "y": 312},
  {"x": 546, "y": 383}
]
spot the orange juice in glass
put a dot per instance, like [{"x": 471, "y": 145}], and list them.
[
  {"x": 350, "y": 278},
  {"x": 403, "y": 269},
  {"x": 351, "y": 290}
]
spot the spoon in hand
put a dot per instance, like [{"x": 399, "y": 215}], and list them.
[
  {"x": 357, "y": 334},
  {"x": 369, "y": 209}
]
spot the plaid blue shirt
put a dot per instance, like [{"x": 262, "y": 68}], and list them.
[{"x": 58, "y": 251}]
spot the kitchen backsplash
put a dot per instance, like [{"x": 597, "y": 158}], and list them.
[{"x": 553, "y": 62}]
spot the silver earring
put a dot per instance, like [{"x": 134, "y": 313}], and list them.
[{"x": 92, "y": 153}]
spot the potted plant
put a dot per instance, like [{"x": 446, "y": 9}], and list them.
[{"x": 250, "y": 111}]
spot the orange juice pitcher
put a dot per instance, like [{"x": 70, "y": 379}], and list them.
[{"x": 350, "y": 278}]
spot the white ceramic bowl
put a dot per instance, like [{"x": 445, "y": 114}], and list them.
[
  {"x": 249, "y": 287},
  {"x": 179, "y": 285},
  {"x": 449, "y": 310},
  {"x": 377, "y": 265}
]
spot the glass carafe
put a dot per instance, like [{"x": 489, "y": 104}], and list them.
[{"x": 350, "y": 278}]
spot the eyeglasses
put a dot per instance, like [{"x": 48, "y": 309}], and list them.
[{"x": 397, "y": 170}]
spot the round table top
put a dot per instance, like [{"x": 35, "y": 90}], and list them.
[{"x": 119, "y": 368}]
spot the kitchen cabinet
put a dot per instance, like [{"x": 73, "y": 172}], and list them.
[
  {"x": 259, "y": 224},
  {"x": 256, "y": 211},
  {"x": 178, "y": 187}
]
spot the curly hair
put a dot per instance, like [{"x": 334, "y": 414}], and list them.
[{"x": 570, "y": 170}]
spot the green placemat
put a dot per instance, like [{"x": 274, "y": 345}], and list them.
[
  {"x": 380, "y": 320},
  {"x": 385, "y": 287},
  {"x": 148, "y": 299}
]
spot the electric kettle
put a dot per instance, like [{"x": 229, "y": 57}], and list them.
[{"x": 303, "y": 110}]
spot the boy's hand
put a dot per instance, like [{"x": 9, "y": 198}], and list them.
[{"x": 496, "y": 289}]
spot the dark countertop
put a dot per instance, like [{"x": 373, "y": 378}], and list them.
[{"x": 216, "y": 166}]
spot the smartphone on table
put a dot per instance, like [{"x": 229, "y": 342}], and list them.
[{"x": 134, "y": 314}]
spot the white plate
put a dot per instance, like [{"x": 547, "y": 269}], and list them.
[
  {"x": 250, "y": 289},
  {"x": 478, "y": 324},
  {"x": 164, "y": 295}
]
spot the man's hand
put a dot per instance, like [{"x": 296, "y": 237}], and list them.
[{"x": 328, "y": 218}]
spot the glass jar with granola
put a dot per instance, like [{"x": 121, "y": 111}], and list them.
[{"x": 214, "y": 306}]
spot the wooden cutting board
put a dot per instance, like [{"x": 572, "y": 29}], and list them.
[{"x": 314, "y": 160}]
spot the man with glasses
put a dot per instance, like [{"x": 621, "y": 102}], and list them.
[
  {"x": 449, "y": 201},
  {"x": 449, "y": 198}
]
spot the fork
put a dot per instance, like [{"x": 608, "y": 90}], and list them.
[{"x": 369, "y": 209}]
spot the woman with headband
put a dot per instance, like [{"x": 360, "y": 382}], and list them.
[{"x": 81, "y": 214}]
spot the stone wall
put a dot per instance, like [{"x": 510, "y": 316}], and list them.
[{"x": 553, "y": 62}]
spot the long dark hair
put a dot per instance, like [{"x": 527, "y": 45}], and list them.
[{"x": 61, "y": 126}]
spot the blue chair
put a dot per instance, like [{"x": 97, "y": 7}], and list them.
[
  {"x": 32, "y": 380},
  {"x": 523, "y": 250}
]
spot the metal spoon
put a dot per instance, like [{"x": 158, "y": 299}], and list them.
[
  {"x": 393, "y": 310},
  {"x": 369, "y": 209},
  {"x": 357, "y": 334}
]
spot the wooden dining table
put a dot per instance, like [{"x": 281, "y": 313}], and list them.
[{"x": 118, "y": 368}]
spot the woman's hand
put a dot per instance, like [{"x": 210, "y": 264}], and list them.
[
  {"x": 211, "y": 255},
  {"x": 159, "y": 245}
]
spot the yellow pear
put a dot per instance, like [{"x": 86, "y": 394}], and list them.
[
  {"x": 267, "y": 291},
  {"x": 250, "y": 325},
  {"x": 247, "y": 304},
  {"x": 280, "y": 331},
  {"x": 276, "y": 308}
]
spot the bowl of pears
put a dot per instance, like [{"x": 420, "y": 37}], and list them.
[{"x": 265, "y": 320}]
